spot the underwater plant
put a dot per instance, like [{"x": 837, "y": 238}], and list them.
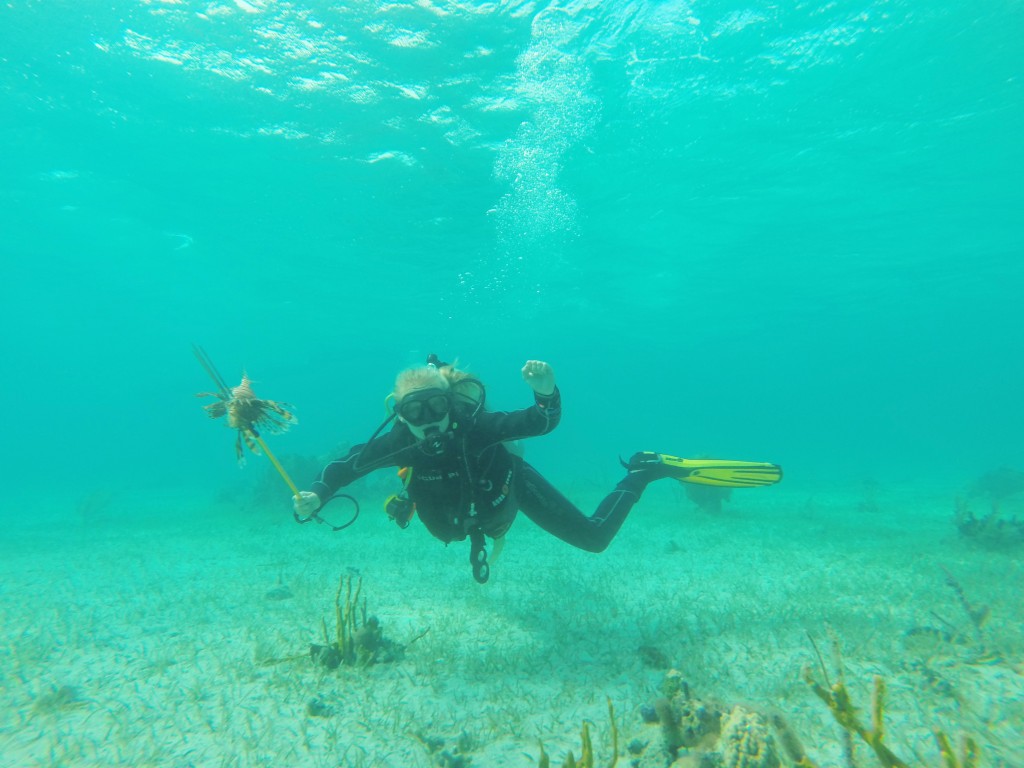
[
  {"x": 702, "y": 734},
  {"x": 967, "y": 644},
  {"x": 58, "y": 700},
  {"x": 978, "y": 614},
  {"x": 993, "y": 529},
  {"x": 441, "y": 756},
  {"x": 358, "y": 638},
  {"x": 837, "y": 698},
  {"x": 587, "y": 749}
]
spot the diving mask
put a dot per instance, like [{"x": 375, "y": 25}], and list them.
[{"x": 425, "y": 406}]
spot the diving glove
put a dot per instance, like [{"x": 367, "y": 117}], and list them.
[{"x": 306, "y": 503}]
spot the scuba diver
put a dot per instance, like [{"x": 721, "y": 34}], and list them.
[{"x": 464, "y": 481}]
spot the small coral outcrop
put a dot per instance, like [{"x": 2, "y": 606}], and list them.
[
  {"x": 703, "y": 734},
  {"x": 995, "y": 528},
  {"x": 748, "y": 741}
]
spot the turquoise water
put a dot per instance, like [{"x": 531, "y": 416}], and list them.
[
  {"x": 783, "y": 232},
  {"x": 775, "y": 232}
]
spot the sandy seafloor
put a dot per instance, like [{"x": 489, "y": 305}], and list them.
[{"x": 132, "y": 630}]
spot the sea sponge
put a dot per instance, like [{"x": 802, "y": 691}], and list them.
[
  {"x": 747, "y": 741},
  {"x": 686, "y": 722}
]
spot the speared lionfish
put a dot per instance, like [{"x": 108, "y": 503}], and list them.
[{"x": 246, "y": 412}]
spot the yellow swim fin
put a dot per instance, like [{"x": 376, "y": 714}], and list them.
[{"x": 720, "y": 472}]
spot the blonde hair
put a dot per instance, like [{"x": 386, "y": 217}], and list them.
[
  {"x": 453, "y": 374},
  {"x": 466, "y": 388},
  {"x": 425, "y": 377}
]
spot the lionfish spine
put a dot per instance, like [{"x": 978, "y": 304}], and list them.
[{"x": 244, "y": 390}]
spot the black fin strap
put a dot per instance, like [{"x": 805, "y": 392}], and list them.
[{"x": 478, "y": 556}]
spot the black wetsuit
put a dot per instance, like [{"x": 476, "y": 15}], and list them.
[{"x": 474, "y": 486}]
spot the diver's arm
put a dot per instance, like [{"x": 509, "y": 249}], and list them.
[
  {"x": 539, "y": 419},
  {"x": 383, "y": 451},
  {"x": 547, "y": 410},
  {"x": 337, "y": 474},
  {"x": 549, "y": 407}
]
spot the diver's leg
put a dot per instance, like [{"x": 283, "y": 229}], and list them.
[{"x": 547, "y": 507}]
